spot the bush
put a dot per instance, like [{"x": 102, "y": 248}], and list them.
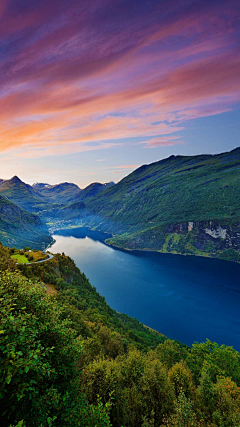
[{"x": 39, "y": 356}]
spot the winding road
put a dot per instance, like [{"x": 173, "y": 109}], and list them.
[{"x": 50, "y": 256}]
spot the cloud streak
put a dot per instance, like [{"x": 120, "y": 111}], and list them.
[
  {"x": 162, "y": 141},
  {"x": 74, "y": 73}
]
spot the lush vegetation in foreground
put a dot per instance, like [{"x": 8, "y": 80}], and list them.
[
  {"x": 70, "y": 360},
  {"x": 25, "y": 256}
]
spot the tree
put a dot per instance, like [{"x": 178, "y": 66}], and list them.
[
  {"x": 39, "y": 383},
  {"x": 180, "y": 378}
]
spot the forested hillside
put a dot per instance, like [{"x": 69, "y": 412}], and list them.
[
  {"x": 175, "y": 190},
  {"x": 70, "y": 360},
  {"x": 21, "y": 228},
  {"x": 20, "y": 193},
  {"x": 183, "y": 204}
]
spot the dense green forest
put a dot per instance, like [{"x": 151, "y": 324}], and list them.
[{"x": 68, "y": 359}]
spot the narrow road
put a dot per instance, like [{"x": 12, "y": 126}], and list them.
[{"x": 50, "y": 256}]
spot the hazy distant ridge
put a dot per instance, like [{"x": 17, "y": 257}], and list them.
[{"x": 182, "y": 204}]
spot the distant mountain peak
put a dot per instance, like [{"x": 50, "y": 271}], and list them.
[
  {"x": 15, "y": 179},
  {"x": 39, "y": 185},
  {"x": 66, "y": 184}
]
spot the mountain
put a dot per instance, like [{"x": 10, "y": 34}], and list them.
[
  {"x": 59, "y": 193},
  {"x": 182, "y": 204},
  {"x": 40, "y": 186},
  {"x": 73, "y": 207},
  {"x": 20, "y": 193},
  {"x": 20, "y": 228},
  {"x": 39, "y": 197},
  {"x": 47, "y": 201},
  {"x": 94, "y": 189}
]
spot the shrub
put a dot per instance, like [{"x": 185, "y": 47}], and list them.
[{"x": 39, "y": 380}]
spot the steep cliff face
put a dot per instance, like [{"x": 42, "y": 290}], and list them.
[
  {"x": 221, "y": 235},
  {"x": 206, "y": 238}
]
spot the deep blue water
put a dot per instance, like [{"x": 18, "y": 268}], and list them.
[{"x": 186, "y": 298}]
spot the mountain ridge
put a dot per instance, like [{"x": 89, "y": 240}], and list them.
[
  {"x": 153, "y": 207},
  {"x": 181, "y": 204}
]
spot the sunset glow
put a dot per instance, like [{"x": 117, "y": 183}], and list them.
[{"x": 123, "y": 77}]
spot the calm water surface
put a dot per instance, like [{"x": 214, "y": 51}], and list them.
[{"x": 186, "y": 298}]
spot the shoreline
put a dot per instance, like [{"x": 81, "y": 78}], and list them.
[{"x": 126, "y": 249}]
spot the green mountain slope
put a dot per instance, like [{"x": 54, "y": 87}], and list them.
[
  {"x": 172, "y": 205},
  {"x": 60, "y": 193},
  {"x": 177, "y": 189},
  {"x": 20, "y": 228},
  {"x": 77, "y": 204},
  {"x": 93, "y": 189},
  {"x": 39, "y": 197},
  {"x": 47, "y": 201},
  {"x": 20, "y": 193},
  {"x": 183, "y": 204},
  {"x": 70, "y": 360}
]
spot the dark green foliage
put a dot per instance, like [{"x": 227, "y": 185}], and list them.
[
  {"x": 74, "y": 358},
  {"x": 184, "y": 415},
  {"x": 145, "y": 391},
  {"x": 215, "y": 360},
  {"x": 5, "y": 259},
  {"x": 39, "y": 359},
  {"x": 88, "y": 310},
  {"x": 180, "y": 378},
  {"x": 177, "y": 189}
]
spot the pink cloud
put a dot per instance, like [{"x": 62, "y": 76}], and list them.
[
  {"x": 81, "y": 73},
  {"x": 162, "y": 141}
]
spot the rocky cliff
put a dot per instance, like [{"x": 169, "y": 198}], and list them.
[{"x": 206, "y": 238}]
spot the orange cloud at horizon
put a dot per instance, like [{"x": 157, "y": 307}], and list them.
[{"x": 70, "y": 88}]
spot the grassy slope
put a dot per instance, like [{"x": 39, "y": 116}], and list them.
[
  {"x": 93, "y": 189},
  {"x": 20, "y": 258},
  {"x": 177, "y": 189},
  {"x": 138, "y": 209},
  {"x": 20, "y": 228},
  {"x": 20, "y": 193},
  {"x": 172, "y": 191}
]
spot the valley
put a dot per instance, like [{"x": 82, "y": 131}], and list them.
[
  {"x": 128, "y": 239},
  {"x": 119, "y": 213},
  {"x": 186, "y": 205}
]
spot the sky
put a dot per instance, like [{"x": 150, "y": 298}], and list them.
[{"x": 92, "y": 89}]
